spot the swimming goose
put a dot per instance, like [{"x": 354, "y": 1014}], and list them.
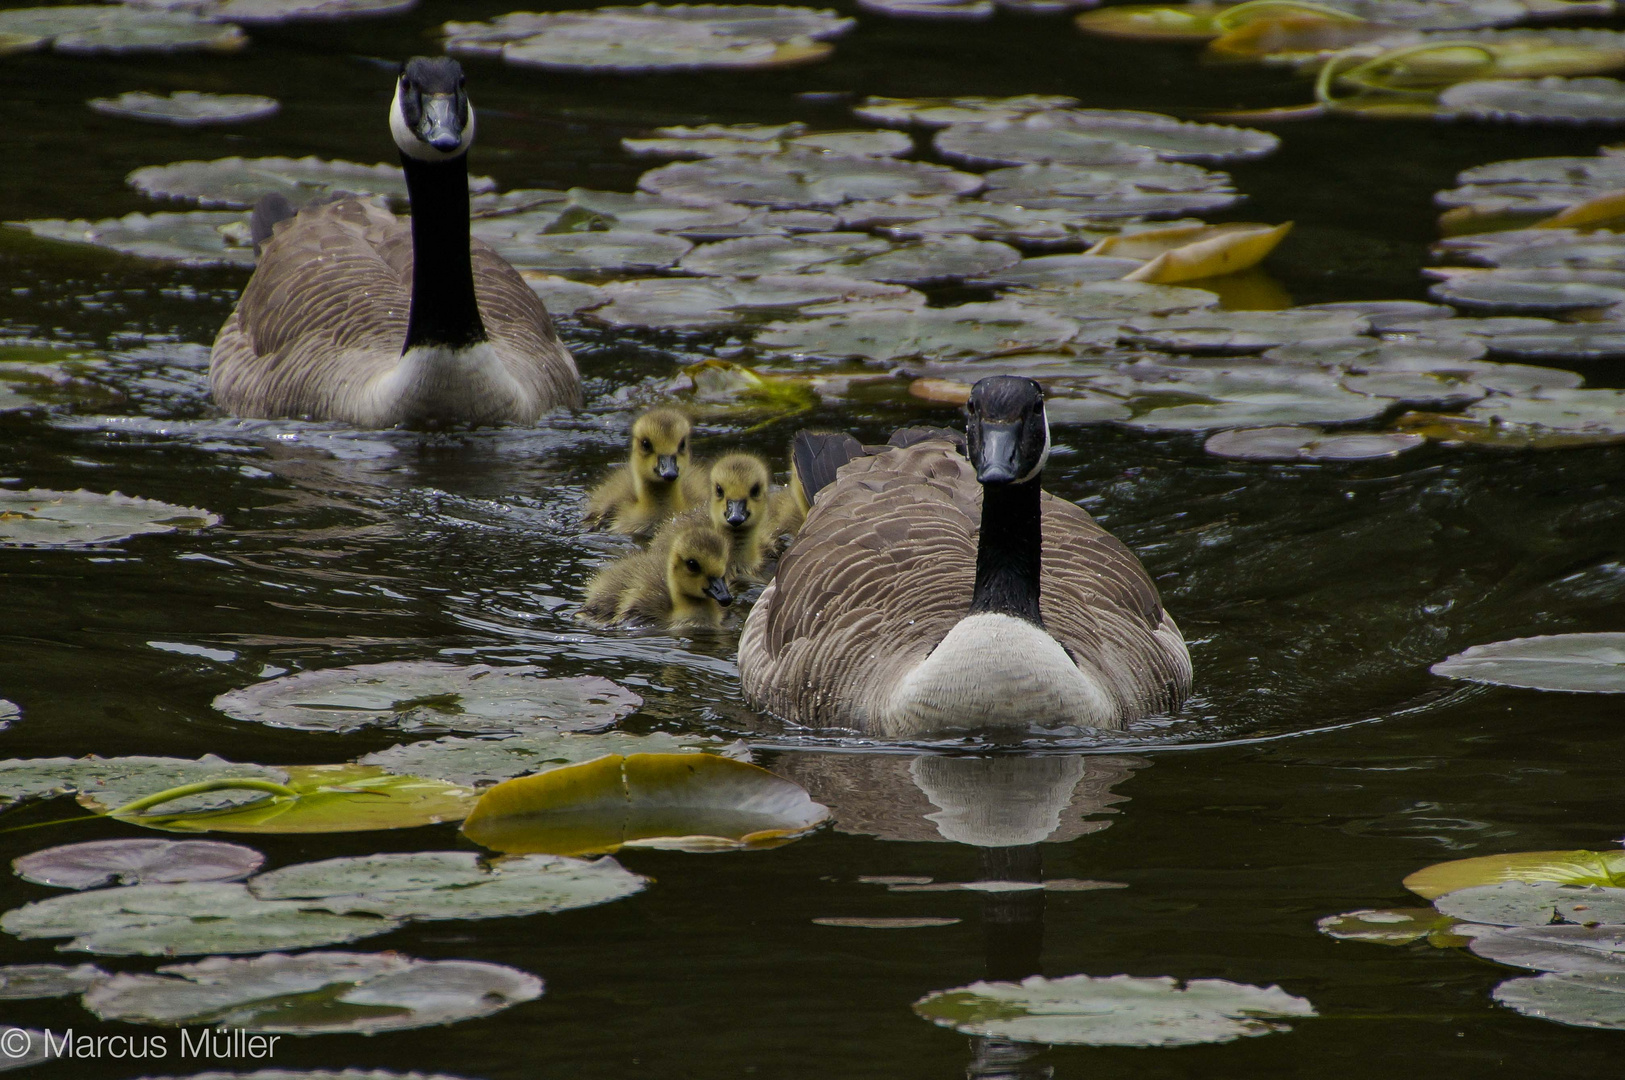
[
  {"x": 927, "y": 594},
  {"x": 657, "y": 482},
  {"x": 679, "y": 583},
  {"x": 356, "y": 315}
]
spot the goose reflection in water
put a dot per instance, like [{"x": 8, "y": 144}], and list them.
[{"x": 1008, "y": 807}]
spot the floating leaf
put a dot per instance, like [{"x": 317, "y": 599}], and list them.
[
  {"x": 1579, "y": 999},
  {"x": 940, "y": 112},
  {"x": 934, "y": 262},
  {"x": 722, "y": 140},
  {"x": 121, "y": 780},
  {"x": 720, "y": 386},
  {"x": 1061, "y": 271},
  {"x": 1599, "y": 949},
  {"x": 1526, "y": 292},
  {"x": 117, "y": 29},
  {"x": 137, "y": 862},
  {"x": 9, "y": 711},
  {"x": 803, "y": 179},
  {"x": 1399, "y": 926},
  {"x": 968, "y": 330},
  {"x": 1606, "y": 868},
  {"x": 1581, "y": 663},
  {"x": 688, "y": 802},
  {"x": 1116, "y": 1010},
  {"x": 1572, "y": 342},
  {"x": 697, "y": 303},
  {"x": 199, "y": 238},
  {"x": 883, "y": 923},
  {"x": 265, "y": 12},
  {"x": 1517, "y": 903},
  {"x": 429, "y": 695},
  {"x": 1186, "y": 253},
  {"x": 426, "y": 885},
  {"x": 475, "y": 762},
  {"x": 187, "y": 108},
  {"x": 1592, "y": 100},
  {"x": 24, "y": 981},
  {"x": 1308, "y": 444},
  {"x": 1099, "y": 137},
  {"x": 240, "y": 182},
  {"x": 1554, "y": 418},
  {"x": 564, "y": 297},
  {"x": 755, "y": 255},
  {"x": 930, "y": 9},
  {"x": 594, "y": 252},
  {"x": 35, "y": 1050},
  {"x": 640, "y": 211},
  {"x": 1227, "y": 332},
  {"x": 314, "y": 993},
  {"x": 191, "y": 918}
]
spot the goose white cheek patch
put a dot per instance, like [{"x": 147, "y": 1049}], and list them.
[
  {"x": 412, "y": 146},
  {"x": 1043, "y": 459}
]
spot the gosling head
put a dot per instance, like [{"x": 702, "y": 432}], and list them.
[
  {"x": 1006, "y": 431},
  {"x": 430, "y": 116},
  {"x": 739, "y": 485},
  {"x": 660, "y": 446},
  {"x": 697, "y": 571}
]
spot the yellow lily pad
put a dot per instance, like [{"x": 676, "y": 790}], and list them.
[
  {"x": 683, "y": 802},
  {"x": 1567, "y": 867},
  {"x": 1192, "y": 252}
]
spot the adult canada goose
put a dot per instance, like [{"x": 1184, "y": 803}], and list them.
[
  {"x": 738, "y": 506},
  {"x": 680, "y": 583},
  {"x": 356, "y": 315},
  {"x": 657, "y": 482},
  {"x": 927, "y": 594}
]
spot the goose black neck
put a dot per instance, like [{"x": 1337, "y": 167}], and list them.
[
  {"x": 444, "y": 309},
  {"x": 1008, "y": 552}
]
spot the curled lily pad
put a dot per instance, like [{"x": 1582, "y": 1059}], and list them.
[
  {"x": 121, "y": 780},
  {"x": 192, "y": 918},
  {"x": 1188, "y": 254},
  {"x": 1589, "y": 100},
  {"x": 1605, "y": 868},
  {"x": 1582, "y": 663},
  {"x": 1531, "y": 292},
  {"x": 1116, "y": 1010},
  {"x": 91, "y": 29},
  {"x": 1227, "y": 332},
  {"x": 477, "y": 762},
  {"x": 564, "y": 297},
  {"x": 361, "y": 993},
  {"x": 687, "y": 802},
  {"x": 1308, "y": 444},
  {"x": 940, "y": 112},
  {"x": 24, "y": 981},
  {"x": 1599, "y": 949},
  {"x": 1540, "y": 903},
  {"x": 426, "y": 885},
  {"x": 1552, "y": 418},
  {"x": 1399, "y": 926},
  {"x": 592, "y": 252},
  {"x": 431, "y": 696},
  {"x": 187, "y": 108},
  {"x": 240, "y": 182},
  {"x": 719, "y": 387},
  {"x": 1579, "y": 999},
  {"x": 137, "y": 862},
  {"x": 968, "y": 330},
  {"x": 199, "y": 238},
  {"x": 803, "y": 179},
  {"x": 1084, "y": 137}
]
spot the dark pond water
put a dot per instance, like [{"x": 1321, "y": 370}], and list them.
[{"x": 1318, "y": 765}]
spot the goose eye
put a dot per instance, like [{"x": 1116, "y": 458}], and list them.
[
  {"x": 693, "y": 566},
  {"x": 648, "y": 446},
  {"x": 755, "y": 491}
]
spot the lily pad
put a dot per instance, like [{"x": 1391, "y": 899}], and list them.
[
  {"x": 187, "y": 108},
  {"x": 754, "y": 255},
  {"x": 1554, "y": 418},
  {"x": 1605, "y": 868},
  {"x": 118, "y": 29},
  {"x": 1116, "y": 1010},
  {"x": 723, "y": 140},
  {"x": 314, "y": 993},
  {"x": 930, "y": 9},
  {"x": 240, "y": 182},
  {"x": 587, "y": 252},
  {"x": 28, "y": 1047},
  {"x": 941, "y": 112},
  {"x": 8, "y": 713},
  {"x": 640, "y": 211},
  {"x": 882, "y": 923},
  {"x": 1397, "y": 926},
  {"x": 1518, "y": 903},
  {"x": 25, "y": 981},
  {"x": 685, "y": 802},
  {"x": 122, "y": 780},
  {"x": 1097, "y": 137},
  {"x": 1525, "y": 292},
  {"x": 1060, "y": 271},
  {"x": 1019, "y": 226},
  {"x": 1153, "y": 189},
  {"x": 1599, "y": 949},
  {"x": 1230, "y": 332},
  {"x": 1578, "y": 663},
  {"x": 564, "y": 297},
  {"x": 191, "y": 918},
  {"x": 935, "y": 261},
  {"x": 428, "y": 885},
  {"x": 1589, "y": 100},
  {"x": 1572, "y": 342},
  {"x": 1308, "y": 444},
  {"x": 198, "y": 238},
  {"x": 429, "y": 695},
  {"x": 986, "y": 329},
  {"x": 476, "y": 762},
  {"x": 689, "y": 303},
  {"x": 266, "y": 12},
  {"x": 803, "y": 179},
  {"x": 137, "y": 862},
  {"x": 1579, "y": 999}
]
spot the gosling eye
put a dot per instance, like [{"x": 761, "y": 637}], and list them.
[
  {"x": 682, "y": 446},
  {"x": 755, "y": 491},
  {"x": 719, "y": 491},
  {"x": 693, "y": 566},
  {"x": 648, "y": 447}
]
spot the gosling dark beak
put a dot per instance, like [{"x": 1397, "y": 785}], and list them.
[
  {"x": 717, "y": 590},
  {"x": 738, "y": 513},
  {"x": 666, "y": 466},
  {"x": 1000, "y": 459},
  {"x": 440, "y": 125}
]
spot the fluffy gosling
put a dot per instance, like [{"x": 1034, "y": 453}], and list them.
[
  {"x": 680, "y": 583},
  {"x": 658, "y": 480},
  {"x": 738, "y": 507}
]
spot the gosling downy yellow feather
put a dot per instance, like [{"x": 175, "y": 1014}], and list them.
[
  {"x": 680, "y": 583},
  {"x": 739, "y": 506},
  {"x": 658, "y": 481}
]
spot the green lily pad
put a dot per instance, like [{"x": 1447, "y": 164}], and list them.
[
  {"x": 187, "y": 108},
  {"x": 564, "y": 297},
  {"x": 941, "y": 112},
  {"x": 1397, "y": 926},
  {"x": 122, "y": 780},
  {"x": 803, "y": 179},
  {"x": 117, "y": 29},
  {"x": 1553, "y": 418},
  {"x": 198, "y": 238},
  {"x": 1020, "y": 226},
  {"x": 1116, "y": 1010},
  {"x": 428, "y": 885},
  {"x": 1061, "y": 271},
  {"x": 1579, "y": 663},
  {"x": 640, "y": 211},
  {"x": 9, "y": 711},
  {"x": 476, "y": 762},
  {"x": 969, "y": 330},
  {"x": 1554, "y": 99},
  {"x": 1158, "y": 189},
  {"x": 312, "y": 1074},
  {"x": 935, "y": 261},
  {"x": 1599, "y": 949},
  {"x": 1518, "y": 903},
  {"x": 431, "y": 696},
  {"x": 1421, "y": 389},
  {"x": 724, "y": 140},
  {"x": 754, "y": 255},
  {"x": 690, "y": 303},
  {"x": 192, "y": 918},
  {"x": 314, "y": 993},
  {"x": 1308, "y": 444},
  {"x": 1227, "y": 332},
  {"x": 1086, "y": 137},
  {"x": 240, "y": 182},
  {"x": 31, "y": 981},
  {"x": 682, "y": 802},
  {"x": 883, "y": 923},
  {"x": 1578, "y": 999},
  {"x": 267, "y": 12},
  {"x": 1525, "y": 292},
  {"x": 930, "y": 9},
  {"x": 1571, "y": 342},
  {"x": 588, "y": 252},
  {"x": 137, "y": 862},
  {"x": 1605, "y": 868}
]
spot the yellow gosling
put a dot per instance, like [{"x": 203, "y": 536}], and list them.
[
  {"x": 653, "y": 485},
  {"x": 738, "y": 506},
  {"x": 680, "y": 583}
]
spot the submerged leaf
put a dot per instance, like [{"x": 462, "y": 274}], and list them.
[
  {"x": 1581, "y": 663},
  {"x": 137, "y": 862},
  {"x": 690, "y": 802},
  {"x": 1606, "y": 868}
]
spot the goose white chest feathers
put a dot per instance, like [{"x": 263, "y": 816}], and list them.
[
  {"x": 356, "y": 315},
  {"x": 919, "y": 600}
]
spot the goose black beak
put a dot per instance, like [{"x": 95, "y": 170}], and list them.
[
  {"x": 717, "y": 589},
  {"x": 666, "y": 466},
  {"x": 738, "y": 513},
  {"x": 1000, "y": 459},
  {"x": 441, "y": 126}
]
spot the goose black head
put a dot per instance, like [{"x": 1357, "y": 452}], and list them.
[
  {"x": 1006, "y": 431},
  {"x": 430, "y": 116}
]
